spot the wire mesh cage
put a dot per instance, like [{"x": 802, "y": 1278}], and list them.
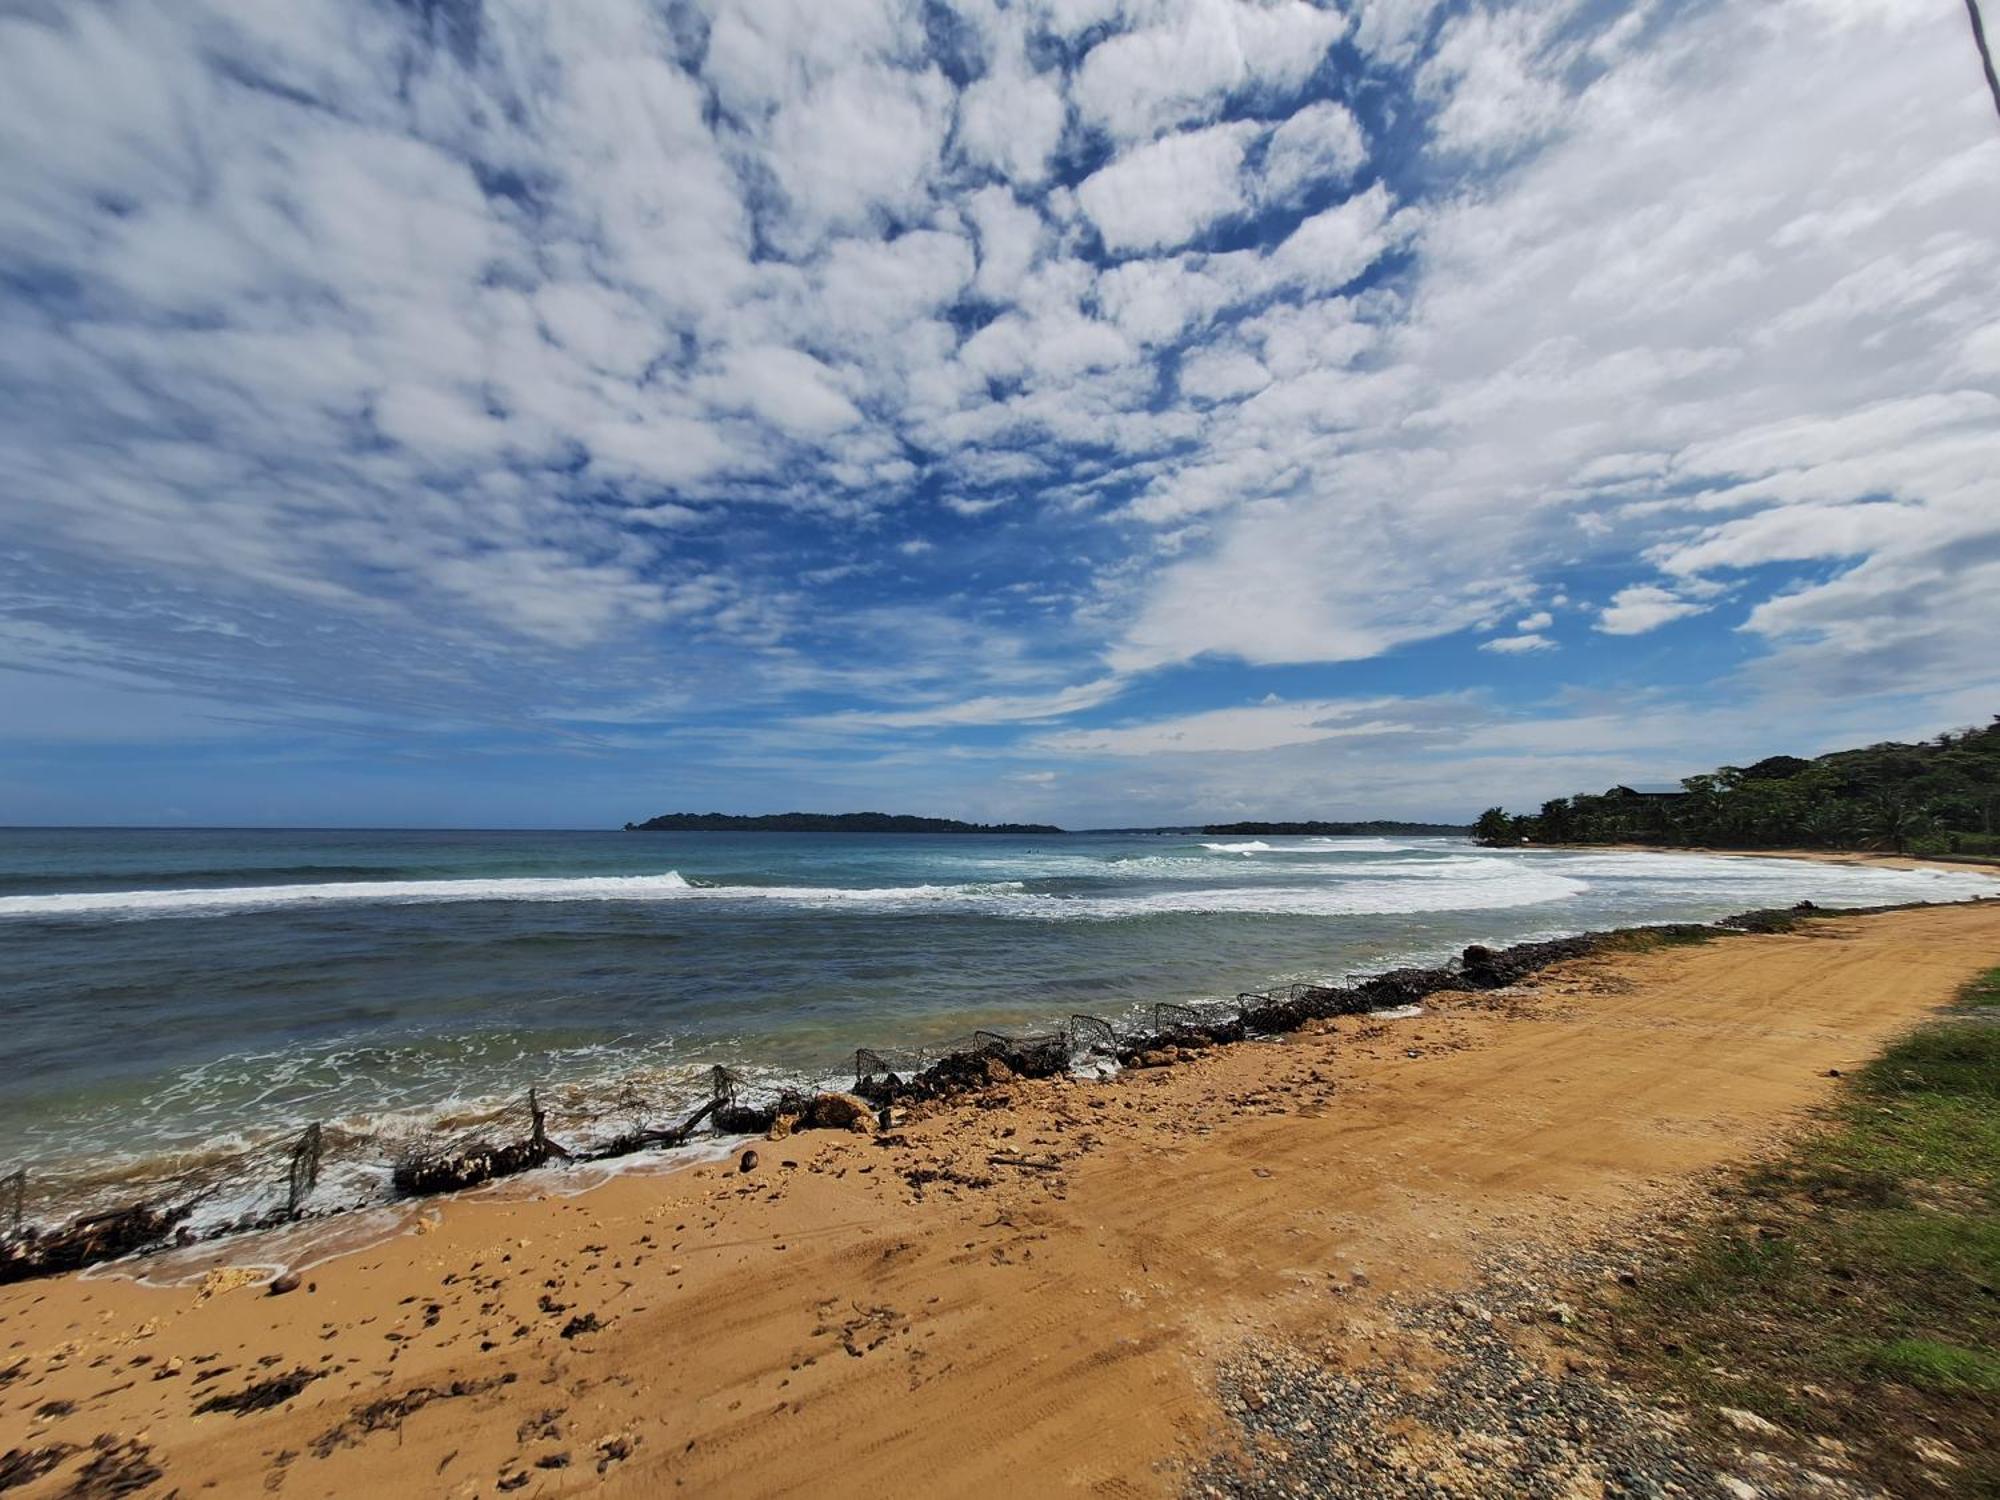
[
  {"x": 1208, "y": 1021},
  {"x": 14, "y": 1195},
  {"x": 302, "y": 1174},
  {"x": 1037, "y": 1055},
  {"x": 1090, "y": 1036}
]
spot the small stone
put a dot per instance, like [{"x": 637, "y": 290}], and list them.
[
  {"x": 1559, "y": 1312},
  {"x": 1936, "y": 1453},
  {"x": 1729, "y": 1484},
  {"x": 1749, "y": 1422},
  {"x": 843, "y": 1112},
  {"x": 289, "y": 1282},
  {"x": 747, "y": 1162}
]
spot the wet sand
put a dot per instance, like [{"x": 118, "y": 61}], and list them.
[{"x": 1029, "y": 1290}]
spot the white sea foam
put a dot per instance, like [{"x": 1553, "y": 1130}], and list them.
[
  {"x": 349, "y": 892},
  {"x": 1368, "y": 846},
  {"x": 1419, "y": 883},
  {"x": 1345, "y": 898},
  {"x": 1488, "y": 885}
]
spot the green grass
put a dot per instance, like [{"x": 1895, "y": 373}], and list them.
[
  {"x": 1934, "y": 1366},
  {"x": 1651, "y": 939},
  {"x": 1851, "y": 1289}
]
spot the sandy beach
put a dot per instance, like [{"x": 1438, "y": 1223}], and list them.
[
  {"x": 1034, "y": 1287},
  {"x": 1849, "y": 858}
]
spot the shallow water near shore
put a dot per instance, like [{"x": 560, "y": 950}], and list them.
[{"x": 173, "y": 995}]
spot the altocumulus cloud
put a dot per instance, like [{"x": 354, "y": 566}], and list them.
[{"x": 870, "y": 372}]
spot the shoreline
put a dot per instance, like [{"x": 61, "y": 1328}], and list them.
[
  {"x": 1857, "y": 858},
  {"x": 421, "y": 1170},
  {"x": 484, "y": 1148},
  {"x": 1041, "y": 1278}
]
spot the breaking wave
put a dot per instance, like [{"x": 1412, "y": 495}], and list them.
[
  {"x": 216, "y": 900},
  {"x": 1484, "y": 885}
]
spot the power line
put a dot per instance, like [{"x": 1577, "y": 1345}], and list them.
[{"x": 1985, "y": 56}]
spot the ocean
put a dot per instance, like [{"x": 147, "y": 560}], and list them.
[{"x": 169, "y": 996}]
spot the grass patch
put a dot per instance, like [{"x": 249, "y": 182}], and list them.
[
  {"x": 1652, "y": 939},
  {"x": 1851, "y": 1289},
  {"x": 1934, "y": 1366},
  {"x": 1983, "y": 993}
]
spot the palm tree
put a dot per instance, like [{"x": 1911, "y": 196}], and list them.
[{"x": 1895, "y": 818}]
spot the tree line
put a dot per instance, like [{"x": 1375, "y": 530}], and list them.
[{"x": 1937, "y": 796}]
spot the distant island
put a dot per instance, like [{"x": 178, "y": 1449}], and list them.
[
  {"x": 1376, "y": 827},
  {"x": 800, "y": 822}
]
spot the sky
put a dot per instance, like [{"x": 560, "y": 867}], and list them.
[{"x": 1091, "y": 411}]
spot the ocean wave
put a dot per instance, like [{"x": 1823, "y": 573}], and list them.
[
  {"x": 1346, "y": 898},
  {"x": 1444, "y": 882},
  {"x": 1488, "y": 884},
  {"x": 1255, "y": 846},
  {"x": 218, "y": 899},
  {"x": 1373, "y": 845}
]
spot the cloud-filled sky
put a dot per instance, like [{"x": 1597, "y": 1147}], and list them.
[{"x": 476, "y": 412}]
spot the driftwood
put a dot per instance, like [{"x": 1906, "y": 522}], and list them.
[
  {"x": 85, "y": 1241},
  {"x": 424, "y": 1173},
  {"x": 302, "y": 1175},
  {"x": 656, "y": 1139}
]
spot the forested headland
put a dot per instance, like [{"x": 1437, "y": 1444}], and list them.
[
  {"x": 800, "y": 822},
  {"x": 1937, "y": 796}
]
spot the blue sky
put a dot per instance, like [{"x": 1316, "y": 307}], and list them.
[{"x": 1100, "y": 411}]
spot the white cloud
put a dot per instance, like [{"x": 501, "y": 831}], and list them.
[
  {"x": 862, "y": 144},
  {"x": 1012, "y": 122},
  {"x": 1660, "y": 312},
  {"x": 1181, "y": 69},
  {"x": 1495, "y": 89},
  {"x": 1029, "y": 708},
  {"x": 1222, "y": 374},
  {"x": 790, "y": 390},
  {"x": 1321, "y": 143},
  {"x": 1333, "y": 247},
  {"x": 1644, "y": 607},
  {"x": 1161, "y": 195},
  {"x": 578, "y": 339},
  {"x": 1010, "y": 237},
  {"x": 1231, "y": 730}
]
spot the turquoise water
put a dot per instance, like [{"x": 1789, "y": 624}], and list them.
[{"x": 165, "y": 990}]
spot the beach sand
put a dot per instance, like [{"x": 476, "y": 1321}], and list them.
[
  {"x": 1030, "y": 1291},
  {"x": 1856, "y": 858}
]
